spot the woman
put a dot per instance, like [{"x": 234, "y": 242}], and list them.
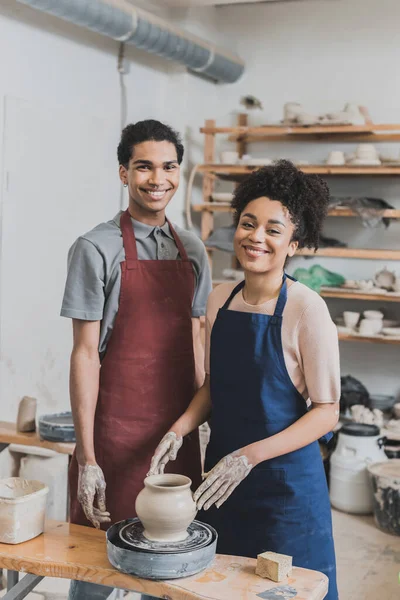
[{"x": 273, "y": 383}]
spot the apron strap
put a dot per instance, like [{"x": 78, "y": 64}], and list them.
[
  {"x": 129, "y": 241},
  {"x": 235, "y": 290},
  {"x": 180, "y": 246}
]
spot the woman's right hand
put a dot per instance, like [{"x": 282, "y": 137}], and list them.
[{"x": 166, "y": 450}]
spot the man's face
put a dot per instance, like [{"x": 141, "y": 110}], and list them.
[{"x": 152, "y": 177}]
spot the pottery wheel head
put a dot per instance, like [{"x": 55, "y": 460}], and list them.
[{"x": 199, "y": 535}]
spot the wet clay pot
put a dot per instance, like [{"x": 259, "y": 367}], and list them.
[{"x": 166, "y": 507}]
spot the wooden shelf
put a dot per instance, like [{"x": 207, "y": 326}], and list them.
[
  {"x": 335, "y": 293},
  {"x": 334, "y": 212},
  {"x": 343, "y": 337},
  {"x": 346, "y": 133},
  {"x": 362, "y": 253},
  {"x": 237, "y": 172},
  {"x": 10, "y": 435}
]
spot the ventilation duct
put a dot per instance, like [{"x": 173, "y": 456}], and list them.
[{"x": 123, "y": 22}]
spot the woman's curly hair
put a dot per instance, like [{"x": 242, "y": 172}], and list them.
[{"x": 306, "y": 198}]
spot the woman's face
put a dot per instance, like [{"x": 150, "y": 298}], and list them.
[{"x": 263, "y": 236}]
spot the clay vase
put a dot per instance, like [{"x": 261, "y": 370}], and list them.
[
  {"x": 166, "y": 507},
  {"x": 26, "y": 414}
]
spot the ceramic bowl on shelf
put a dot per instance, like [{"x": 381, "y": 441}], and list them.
[
  {"x": 222, "y": 196},
  {"x": 391, "y": 331}
]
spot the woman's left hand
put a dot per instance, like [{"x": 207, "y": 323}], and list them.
[{"x": 222, "y": 480}]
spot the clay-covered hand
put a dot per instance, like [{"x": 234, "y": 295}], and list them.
[
  {"x": 91, "y": 487},
  {"x": 166, "y": 450},
  {"x": 222, "y": 480}
]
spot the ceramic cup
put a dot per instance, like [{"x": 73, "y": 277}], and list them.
[
  {"x": 370, "y": 326},
  {"x": 351, "y": 319},
  {"x": 396, "y": 410},
  {"x": 336, "y": 157},
  {"x": 366, "y": 152},
  {"x": 291, "y": 110},
  {"x": 373, "y": 314},
  {"x": 229, "y": 157}
]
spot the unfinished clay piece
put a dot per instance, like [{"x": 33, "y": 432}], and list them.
[
  {"x": 385, "y": 279},
  {"x": 166, "y": 507},
  {"x": 26, "y": 414}
]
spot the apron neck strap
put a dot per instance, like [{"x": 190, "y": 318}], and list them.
[
  {"x": 128, "y": 238},
  {"x": 235, "y": 290},
  {"x": 179, "y": 245},
  {"x": 282, "y": 298}
]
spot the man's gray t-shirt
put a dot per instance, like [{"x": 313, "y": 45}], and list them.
[{"x": 94, "y": 275}]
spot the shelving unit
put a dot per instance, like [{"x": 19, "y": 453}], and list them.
[{"x": 242, "y": 134}]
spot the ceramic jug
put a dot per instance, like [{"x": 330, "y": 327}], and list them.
[{"x": 166, "y": 507}]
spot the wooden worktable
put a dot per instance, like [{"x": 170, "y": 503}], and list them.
[
  {"x": 76, "y": 552},
  {"x": 10, "y": 435}
]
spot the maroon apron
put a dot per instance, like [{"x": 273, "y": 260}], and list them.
[{"x": 147, "y": 378}]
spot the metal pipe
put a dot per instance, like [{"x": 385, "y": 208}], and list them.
[{"x": 123, "y": 22}]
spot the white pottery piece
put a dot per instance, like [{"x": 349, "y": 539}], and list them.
[
  {"x": 222, "y": 196},
  {"x": 391, "y": 331},
  {"x": 336, "y": 157},
  {"x": 350, "y": 318},
  {"x": 385, "y": 279},
  {"x": 166, "y": 507},
  {"x": 229, "y": 157},
  {"x": 291, "y": 110},
  {"x": 370, "y": 327},
  {"x": 373, "y": 314},
  {"x": 365, "y": 284}
]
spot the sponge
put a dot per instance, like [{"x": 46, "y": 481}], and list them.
[{"x": 273, "y": 566}]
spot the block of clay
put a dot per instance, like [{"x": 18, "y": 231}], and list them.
[
  {"x": 273, "y": 566},
  {"x": 26, "y": 414}
]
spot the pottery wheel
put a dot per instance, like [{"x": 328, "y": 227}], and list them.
[{"x": 132, "y": 534}]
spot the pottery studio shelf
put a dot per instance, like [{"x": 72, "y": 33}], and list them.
[
  {"x": 238, "y": 172},
  {"x": 375, "y": 339},
  {"x": 361, "y": 253},
  {"x": 370, "y": 132},
  {"x": 327, "y": 292},
  {"x": 389, "y": 213}
]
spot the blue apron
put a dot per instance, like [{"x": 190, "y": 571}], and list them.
[{"x": 283, "y": 504}]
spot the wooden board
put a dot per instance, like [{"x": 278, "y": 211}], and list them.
[
  {"x": 10, "y": 435},
  {"x": 232, "y": 172},
  {"x": 373, "y": 339},
  {"x": 76, "y": 552},
  {"x": 389, "y": 213}
]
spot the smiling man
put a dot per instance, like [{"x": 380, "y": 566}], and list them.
[{"x": 135, "y": 290}]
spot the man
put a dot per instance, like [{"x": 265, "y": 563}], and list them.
[{"x": 136, "y": 287}]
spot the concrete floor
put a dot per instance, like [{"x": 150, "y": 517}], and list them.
[{"x": 368, "y": 562}]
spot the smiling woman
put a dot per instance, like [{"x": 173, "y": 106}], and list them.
[{"x": 273, "y": 383}]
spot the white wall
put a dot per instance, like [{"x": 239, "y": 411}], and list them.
[
  {"x": 324, "y": 54},
  {"x": 59, "y": 136}
]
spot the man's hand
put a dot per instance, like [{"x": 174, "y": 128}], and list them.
[
  {"x": 91, "y": 484},
  {"x": 222, "y": 480},
  {"x": 166, "y": 450}
]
